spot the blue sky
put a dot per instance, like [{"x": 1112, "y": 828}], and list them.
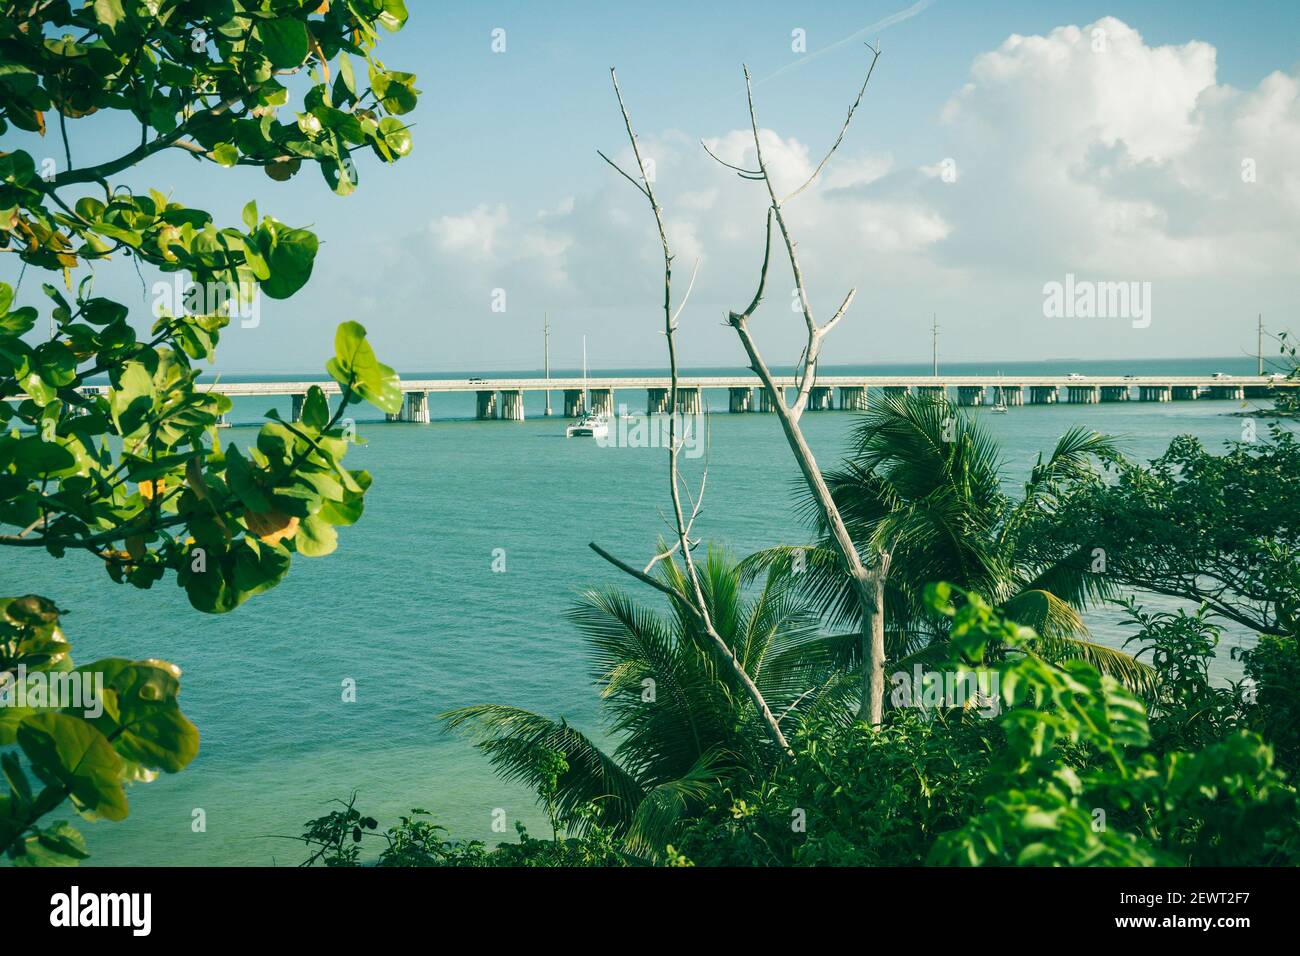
[{"x": 504, "y": 188}]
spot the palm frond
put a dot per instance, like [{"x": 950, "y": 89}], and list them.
[
  {"x": 655, "y": 823},
  {"x": 513, "y": 738}
]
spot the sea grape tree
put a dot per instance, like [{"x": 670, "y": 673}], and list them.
[{"x": 111, "y": 446}]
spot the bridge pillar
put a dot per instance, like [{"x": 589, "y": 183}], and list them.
[
  {"x": 512, "y": 405},
  {"x": 1227, "y": 392},
  {"x": 417, "y": 407},
  {"x": 1155, "y": 393},
  {"x": 765, "y": 401},
  {"x": 1186, "y": 393},
  {"x": 742, "y": 400},
  {"x": 853, "y": 398},
  {"x": 932, "y": 393},
  {"x": 1114, "y": 393},
  {"x": 223, "y": 421},
  {"x": 1013, "y": 395},
  {"x": 970, "y": 394},
  {"x": 821, "y": 399},
  {"x": 656, "y": 401},
  {"x": 296, "y": 404},
  {"x": 1043, "y": 394},
  {"x": 574, "y": 406},
  {"x": 1083, "y": 394},
  {"x": 899, "y": 390},
  {"x": 688, "y": 400},
  {"x": 602, "y": 401},
  {"x": 487, "y": 405}
]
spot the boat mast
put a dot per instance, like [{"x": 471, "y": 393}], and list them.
[
  {"x": 585, "y": 399},
  {"x": 934, "y": 344},
  {"x": 546, "y": 359}
]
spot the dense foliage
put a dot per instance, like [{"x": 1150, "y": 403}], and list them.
[
  {"x": 1075, "y": 773},
  {"x": 1077, "y": 770},
  {"x": 925, "y": 483},
  {"x": 680, "y": 719},
  {"x": 1221, "y": 529},
  {"x": 111, "y": 447}
]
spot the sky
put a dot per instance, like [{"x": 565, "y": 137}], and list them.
[{"x": 1001, "y": 147}]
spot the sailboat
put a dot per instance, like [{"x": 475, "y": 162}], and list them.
[
  {"x": 591, "y": 425},
  {"x": 999, "y": 407}
]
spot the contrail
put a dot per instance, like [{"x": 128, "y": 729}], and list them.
[{"x": 889, "y": 21}]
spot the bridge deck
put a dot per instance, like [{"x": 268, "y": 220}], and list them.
[{"x": 749, "y": 381}]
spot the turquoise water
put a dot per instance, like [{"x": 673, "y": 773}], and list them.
[{"x": 410, "y": 608}]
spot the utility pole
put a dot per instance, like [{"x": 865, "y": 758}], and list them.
[
  {"x": 934, "y": 344},
  {"x": 546, "y": 359},
  {"x": 1259, "y": 340}
]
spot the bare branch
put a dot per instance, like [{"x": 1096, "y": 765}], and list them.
[
  {"x": 623, "y": 174},
  {"x": 839, "y": 314},
  {"x": 762, "y": 273},
  {"x": 843, "y": 129},
  {"x": 868, "y": 584},
  {"x": 747, "y": 173},
  {"x": 689, "y": 286},
  {"x": 695, "y": 601}
]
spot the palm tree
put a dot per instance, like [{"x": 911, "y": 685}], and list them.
[
  {"x": 682, "y": 722},
  {"x": 924, "y": 484}
]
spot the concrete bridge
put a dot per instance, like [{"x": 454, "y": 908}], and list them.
[{"x": 503, "y": 398}]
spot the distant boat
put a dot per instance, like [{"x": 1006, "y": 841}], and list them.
[
  {"x": 591, "y": 425},
  {"x": 999, "y": 407}
]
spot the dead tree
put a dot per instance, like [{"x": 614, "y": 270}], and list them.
[
  {"x": 693, "y": 601},
  {"x": 868, "y": 577}
]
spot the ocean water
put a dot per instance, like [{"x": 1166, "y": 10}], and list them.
[{"x": 410, "y": 608}]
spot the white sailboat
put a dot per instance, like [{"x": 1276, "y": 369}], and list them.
[
  {"x": 590, "y": 425},
  {"x": 999, "y": 407}
]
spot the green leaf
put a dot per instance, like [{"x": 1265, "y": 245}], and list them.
[
  {"x": 109, "y": 13},
  {"x": 34, "y": 457},
  {"x": 355, "y": 363},
  {"x": 17, "y": 322},
  {"x": 37, "y": 390},
  {"x": 394, "y": 15},
  {"x": 100, "y": 311},
  {"x": 69, "y": 752},
  {"x": 395, "y": 135},
  {"x": 315, "y": 538},
  {"x": 284, "y": 41},
  {"x": 144, "y": 722},
  {"x": 227, "y": 154},
  {"x": 316, "y": 409},
  {"x": 290, "y": 262},
  {"x": 59, "y": 845}
]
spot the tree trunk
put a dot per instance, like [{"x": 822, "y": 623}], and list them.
[{"x": 873, "y": 643}]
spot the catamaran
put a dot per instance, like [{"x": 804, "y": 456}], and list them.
[{"x": 590, "y": 425}]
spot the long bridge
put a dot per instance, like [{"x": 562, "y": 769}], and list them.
[{"x": 503, "y": 398}]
